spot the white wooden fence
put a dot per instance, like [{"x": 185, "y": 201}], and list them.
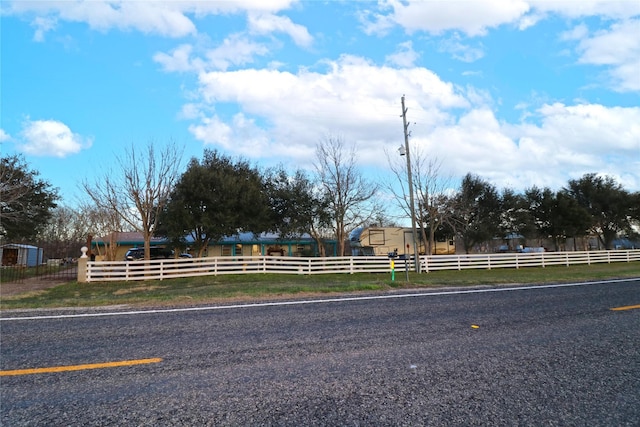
[
  {"x": 102, "y": 271},
  {"x": 518, "y": 260}
]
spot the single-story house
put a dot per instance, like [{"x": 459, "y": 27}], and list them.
[
  {"x": 115, "y": 245},
  {"x": 17, "y": 254}
]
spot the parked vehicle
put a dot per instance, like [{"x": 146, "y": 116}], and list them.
[
  {"x": 156, "y": 253},
  {"x": 530, "y": 250}
]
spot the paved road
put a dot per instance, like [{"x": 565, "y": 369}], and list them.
[{"x": 543, "y": 356}]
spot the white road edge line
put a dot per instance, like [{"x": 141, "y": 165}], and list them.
[{"x": 317, "y": 301}]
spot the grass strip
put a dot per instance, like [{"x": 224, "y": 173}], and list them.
[{"x": 208, "y": 289}]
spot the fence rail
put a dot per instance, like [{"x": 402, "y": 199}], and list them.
[
  {"x": 103, "y": 271},
  {"x": 520, "y": 260}
]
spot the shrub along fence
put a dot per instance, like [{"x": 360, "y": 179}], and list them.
[{"x": 102, "y": 271}]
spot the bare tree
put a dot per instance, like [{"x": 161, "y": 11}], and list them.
[
  {"x": 63, "y": 234},
  {"x": 430, "y": 188},
  {"x": 350, "y": 196},
  {"x": 104, "y": 223},
  {"x": 138, "y": 192}
]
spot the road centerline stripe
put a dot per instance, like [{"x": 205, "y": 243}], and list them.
[
  {"x": 626, "y": 307},
  {"x": 79, "y": 367}
]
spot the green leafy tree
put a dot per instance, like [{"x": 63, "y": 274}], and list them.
[
  {"x": 26, "y": 201},
  {"x": 610, "y": 206},
  {"x": 515, "y": 216},
  {"x": 214, "y": 198},
  {"x": 556, "y": 216},
  {"x": 569, "y": 219},
  {"x": 475, "y": 212},
  {"x": 297, "y": 207},
  {"x": 634, "y": 232}
]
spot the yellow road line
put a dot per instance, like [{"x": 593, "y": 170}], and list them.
[
  {"x": 627, "y": 307},
  {"x": 79, "y": 367}
]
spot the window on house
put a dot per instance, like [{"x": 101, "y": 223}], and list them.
[{"x": 376, "y": 237}]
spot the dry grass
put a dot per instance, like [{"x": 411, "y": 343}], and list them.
[{"x": 145, "y": 288}]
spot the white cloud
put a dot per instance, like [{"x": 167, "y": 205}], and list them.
[
  {"x": 270, "y": 23},
  {"x": 42, "y": 25},
  {"x": 611, "y": 9},
  {"x": 213, "y": 131},
  {"x": 242, "y": 136},
  {"x": 404, "y": 57},
  {"x": 461, "y": 51},
  {"x": 360, "y": 101},
  {"x": 4, "y": 136},
  {"x": 473, "y": 18},
  {"x": 592, "y": 127},
  {"x": 561, "y": 142},
  {"x": 190, "y": 112},
  {"x": 576, "y": 33},
  {"x": 619, "y": 49},
  {"x": 169, "y": 19},
  {"x": 166, "y": 19},
  {"x": 51, "y": 138},
  {"x": 234, "y": 51},
  {"x": 353, "y": 97},
  {"x": 580, "y": 138},
  {"x": 178, "y": 60}
]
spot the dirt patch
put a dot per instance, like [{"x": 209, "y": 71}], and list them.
[{"x": 35, "y": 284}]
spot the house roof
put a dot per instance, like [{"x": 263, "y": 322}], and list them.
[
  {"x": 135, "y": 239},
  {"x": 127, "y": 238},
  {"x": 18, "y": 246}
]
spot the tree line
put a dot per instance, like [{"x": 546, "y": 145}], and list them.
[
  {"x": 592, "y": 205},
  {"x": 218, "y": 196}
]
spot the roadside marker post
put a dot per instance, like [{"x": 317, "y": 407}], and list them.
[{"x": 392, "y": 264}]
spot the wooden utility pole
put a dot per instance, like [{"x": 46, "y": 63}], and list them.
[{"x": 416, "y": 254}]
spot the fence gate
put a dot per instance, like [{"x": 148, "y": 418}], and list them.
[{"x": 59, "y": 272}]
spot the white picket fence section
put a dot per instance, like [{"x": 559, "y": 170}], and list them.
[
  {"x": 103, "y": 271},
  {"x": 520, "y": 260}
]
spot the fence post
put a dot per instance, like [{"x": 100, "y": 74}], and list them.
[{"x": 82, "y": 265}]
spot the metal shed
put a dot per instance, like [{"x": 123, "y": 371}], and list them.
[{"x": 17, "y": 254}]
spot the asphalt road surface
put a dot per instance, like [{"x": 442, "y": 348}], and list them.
[{"x": 496, "y": 357}]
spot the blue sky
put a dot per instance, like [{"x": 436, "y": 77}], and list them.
[{"x": 519, "y": 92}]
